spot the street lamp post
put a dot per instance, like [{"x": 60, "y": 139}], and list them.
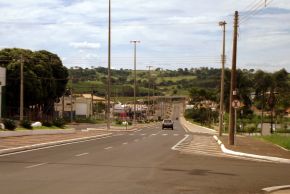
[
  {"x": 135, "y": 77},
  {"x": 221, "y": 118}
]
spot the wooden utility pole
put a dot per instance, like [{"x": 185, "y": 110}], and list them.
[
  {"x": 108, "y": 112},
  {"x": 21, "y": 88},
  {"x": 149, "y": 79},
  {"x": 221, "y": 118},
  {"x": 233, "y": 92}
]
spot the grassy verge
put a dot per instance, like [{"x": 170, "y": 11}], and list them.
[
  {"x": 39, "y": 128},
  {"x": 280, "y": 140}
]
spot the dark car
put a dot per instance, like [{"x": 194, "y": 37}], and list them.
[{"x": 167, "y": 123}]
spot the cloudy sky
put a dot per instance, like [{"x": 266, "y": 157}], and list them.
[{"x": 173, "y": 33}]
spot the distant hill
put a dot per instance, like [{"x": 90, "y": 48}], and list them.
[{"x": 165, "y": 82}]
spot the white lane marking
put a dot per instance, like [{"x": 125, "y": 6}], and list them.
[
  {"x": 54, "y": 146},
  {"x": 125, "y": 143},
  {"x": 154, "y": 134},
  {"x": 107, "y": 148},
  {"x": 176, "y": 135},
  {"x": 143, "y": 134},
  {"x": 83, "y": 154},
  {"x": 174, "y": 147},
  {"x": 276, "y": 188},
  {"x": 36, "y": 165},
  {"x": 137, "y": 130},
  {"x": 118, "y": 135},
  {"x": 165, "y": 134}
]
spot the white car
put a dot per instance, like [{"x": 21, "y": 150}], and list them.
[{"x": 167, "y": 123}]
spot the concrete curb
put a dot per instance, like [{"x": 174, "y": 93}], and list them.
[
  {"x": 43, "y": 145},
  {"x": 202, "y": 127},
  {"x": 266, "y": 158},
  {"x": 36, "y": 132},
  {"x": 188, "y": 130}
]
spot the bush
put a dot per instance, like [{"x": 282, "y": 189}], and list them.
[
  {"x": 129, "y": 123},
  {"x": 47, "y": 123},
  {"x": 26, "y": 124},
  {"x": 118, "y": 122},
  {"x": 59, "y": 122},
  {"x": 9, "y": 124},
  {"x": 250, "y": 129}
]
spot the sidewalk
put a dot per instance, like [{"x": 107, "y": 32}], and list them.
[
  {"x": 252, "y": 145},
  {"x": 15, "y": 144},
  {"x": 244, "y": 144}
]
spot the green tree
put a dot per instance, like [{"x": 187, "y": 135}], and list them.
[{"x": 45, "y": 79}]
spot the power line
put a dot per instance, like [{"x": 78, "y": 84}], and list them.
[{"x": 256, "y": 11}]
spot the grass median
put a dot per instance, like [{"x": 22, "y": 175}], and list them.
[{"x": 280, "y": 140}]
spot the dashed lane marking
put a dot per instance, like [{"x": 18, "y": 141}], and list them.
[
  {"x": 108, "y": 148},
  {"x": 36, "y": 165},
  {"x": 83, "y": 154}
]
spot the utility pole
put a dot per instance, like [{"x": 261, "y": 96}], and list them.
[
  {"x": 135, "y": 77},
  {"x": 71, "y": 105},
  {"x": 149, "y": 79},
  {"x": 92, "y": 102},
  {"x": 62, "y": 115},
  {"x": 221, "y": 119},
  {"x": 21, "y": 88},
  {"x": 233, "y": 92},
  {"x": 108, "y": 112}
]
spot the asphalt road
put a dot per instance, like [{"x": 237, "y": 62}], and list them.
[{"x": 134, "y": 163}]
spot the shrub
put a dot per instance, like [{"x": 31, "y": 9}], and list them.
[
  {"x": 118, "y": 122},
  {"x": 129, "y": 123},
  {"x": 59, "y": 122},
  {"x": 9, "y": 124},
  {"x": 250, "y": 129},
  {"x": 26, "y": 124},
  {"x": 47, "y": 123}
]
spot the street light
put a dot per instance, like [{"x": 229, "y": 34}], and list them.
[
  {"x": 221, "y": 118},
  {"x": 135, "y": 76}
]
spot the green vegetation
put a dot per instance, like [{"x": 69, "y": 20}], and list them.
[
  {"x": 89, "y": 120},
  {"x": 9, "y": 124},
  {"x": 59, "y": 122},
  {"x": 281, "y": 140},
  {"x": 26, "y": 124},
  {"x": 40, "y": 128},
  {"x": 45, "y": 81}
]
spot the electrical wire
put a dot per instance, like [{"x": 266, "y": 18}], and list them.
[{"x": 257, "y": 11}]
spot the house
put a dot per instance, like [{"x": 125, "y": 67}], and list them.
[{"x": 79, "y": 105}]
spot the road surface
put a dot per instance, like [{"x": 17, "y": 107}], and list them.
[{"x": 149, "y": 161}]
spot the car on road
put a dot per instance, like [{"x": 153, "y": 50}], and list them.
[{"x": 167, "y": 123}]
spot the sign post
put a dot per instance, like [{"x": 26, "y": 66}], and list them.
[{"x": 236, "y": 104}]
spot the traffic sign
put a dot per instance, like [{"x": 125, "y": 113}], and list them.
[{"x": 236, "y": 104}]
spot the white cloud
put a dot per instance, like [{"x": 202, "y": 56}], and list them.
[
  {"x": 85, "y": 45},
  {"x": 166, "y": 28}
]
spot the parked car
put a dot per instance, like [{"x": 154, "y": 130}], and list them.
[{"x": 167, "y": 123}]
